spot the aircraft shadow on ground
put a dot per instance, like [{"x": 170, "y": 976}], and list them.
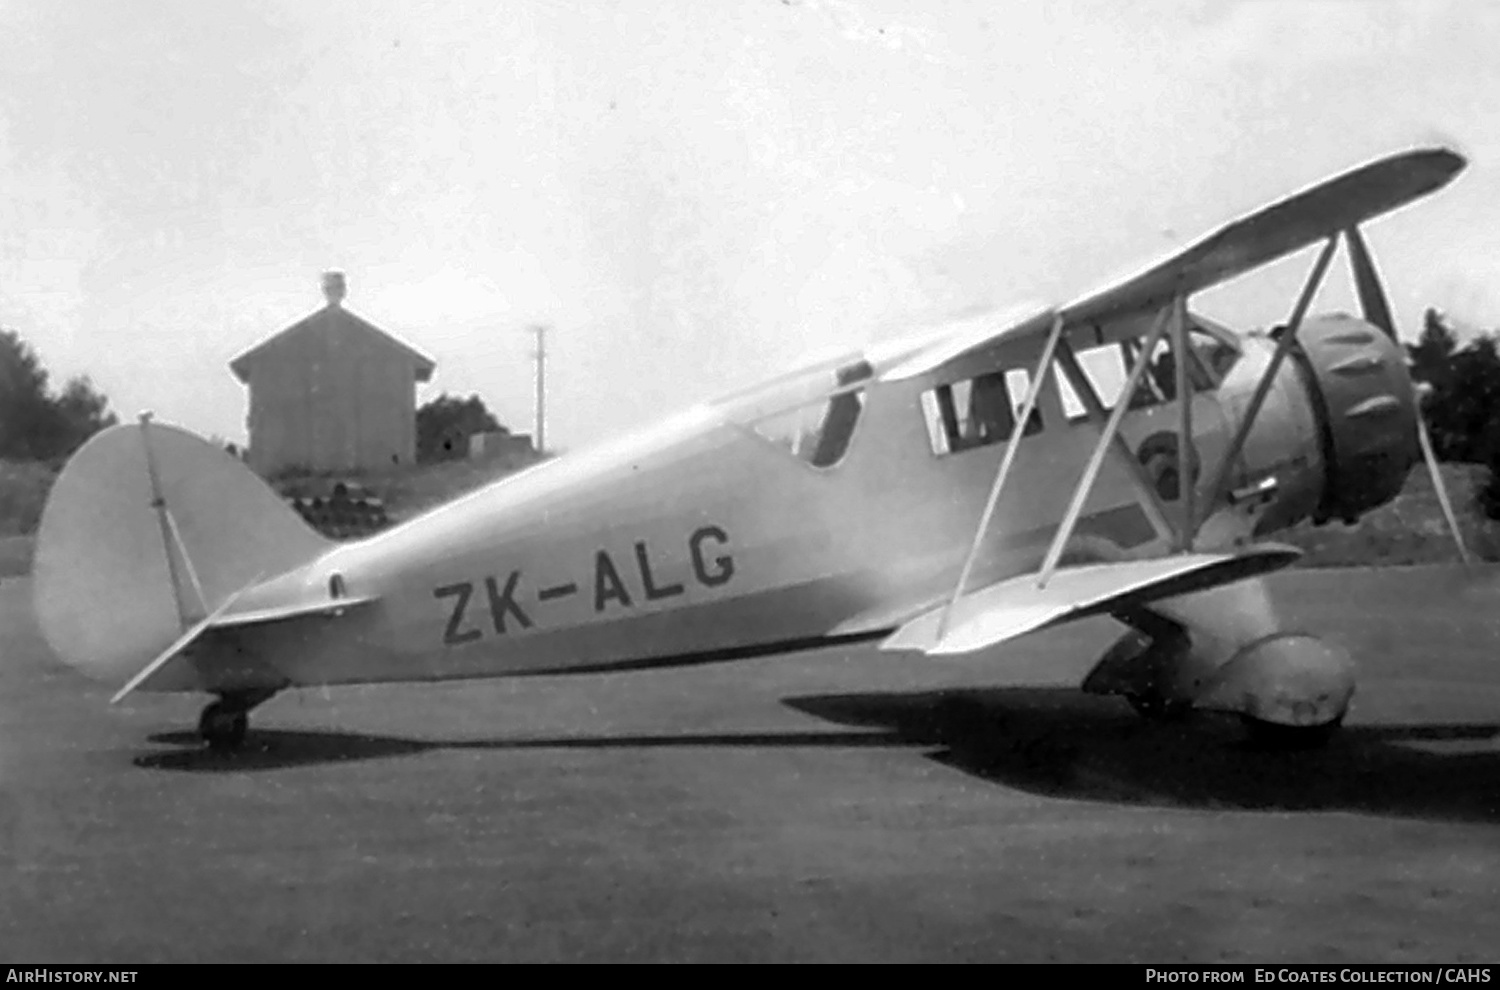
[
  {"x": 1053, "y": 741},
  {"x": 276, "y": 749},
  {"x": 1063, "y": 743}
]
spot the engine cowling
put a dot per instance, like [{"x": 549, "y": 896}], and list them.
[
  {"x": 1361, "y": 390},
  {"x": 1337, "y": 433}
]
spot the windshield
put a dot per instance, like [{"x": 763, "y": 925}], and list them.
[{"x": 810, "y": 414}]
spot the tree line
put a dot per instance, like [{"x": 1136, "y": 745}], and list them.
[
  {"x": 445, "y": 424},
  {"x": 1462, "y": 401},
  {"x": 41, "y": 423},
  {"x": 38, "y": 422}
]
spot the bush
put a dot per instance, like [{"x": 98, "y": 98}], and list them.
[
  {"x": 23, "y": 492},
  {"x": 1487, "y": 497},
  {"x": 445, "y": 424}
]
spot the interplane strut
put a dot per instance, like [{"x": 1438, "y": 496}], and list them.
[
  {"x": 1101, "y": 448},
  {"x": 1135, "y": 471},
  {"x": 1377, "y": 310},
  {"x": 1288, "y": 339},
  {"x": 1186, "y": 482},
  {"x": 1012, "y": 445},
  {"x": 1172, "y": 324}
]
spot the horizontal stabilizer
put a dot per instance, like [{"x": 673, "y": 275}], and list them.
[
  {"x": 331, "y": 608},
  {"x": 224, "y": 618},
  {"x": 1016, "y": 606},
  {"x": 181, "y": 643}
]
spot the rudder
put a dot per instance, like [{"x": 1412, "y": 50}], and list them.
[{"x": 116, "y": 579}]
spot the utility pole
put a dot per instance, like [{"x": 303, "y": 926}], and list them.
[{"x": 541, "y": 387}]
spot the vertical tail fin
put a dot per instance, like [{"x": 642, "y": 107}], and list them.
[{"x": 148, "y": 530}]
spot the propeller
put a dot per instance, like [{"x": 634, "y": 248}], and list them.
[{"x": 1377, "y": 310}]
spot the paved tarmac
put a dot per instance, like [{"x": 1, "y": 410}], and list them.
[{"x": 837, "y": 805}]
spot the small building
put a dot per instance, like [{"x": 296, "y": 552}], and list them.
[
  {"x": 331, "y": 393},
  {"x": 493, "y": 444}
]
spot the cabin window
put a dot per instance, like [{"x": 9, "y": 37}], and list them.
[
  {"x": 1108, "y": 366},
  {"x": 819, "y": 432},
  {"x": 978, "y": 411}
]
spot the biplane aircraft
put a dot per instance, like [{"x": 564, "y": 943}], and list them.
[{"x": 943, "y": 493}]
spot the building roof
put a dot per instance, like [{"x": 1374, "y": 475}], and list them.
[{"x": 333, "y": 318}]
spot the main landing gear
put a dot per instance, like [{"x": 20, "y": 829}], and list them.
[
  {"x": 1290, "y": 690},
  {"x": 224, "y": 723}
]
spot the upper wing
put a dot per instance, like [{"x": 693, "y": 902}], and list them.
[
  {"x": 909, "y": 357},
  {"x": 1247, "y": 243},
  {"x": 1017, "y": 606},
  {"x": 1277, "y": 230}
]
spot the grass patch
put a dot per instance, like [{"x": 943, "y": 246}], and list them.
[
  {"x": 411, "y": 493},
  {"x": 1410, "y": 529}
]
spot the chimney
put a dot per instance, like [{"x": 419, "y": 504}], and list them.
[{"x": 333, "y": 287}]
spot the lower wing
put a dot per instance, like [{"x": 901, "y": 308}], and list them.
[{"x": 1007, "y": 609}]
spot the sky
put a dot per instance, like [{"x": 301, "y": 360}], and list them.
[{"x": 689, "y": 195}]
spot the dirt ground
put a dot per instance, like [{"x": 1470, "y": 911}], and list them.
[{"x": 836, "y": 805}]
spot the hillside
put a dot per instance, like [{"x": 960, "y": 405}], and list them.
[
  {"x": 412, "y": 492},
  {"x": 1410, "y": 530}
]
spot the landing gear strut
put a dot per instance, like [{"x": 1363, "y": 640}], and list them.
[
  {"x": 1139, "y": 666},
  {"x": 224, "y": 722},
  {"x": 223, "y": 727}
]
